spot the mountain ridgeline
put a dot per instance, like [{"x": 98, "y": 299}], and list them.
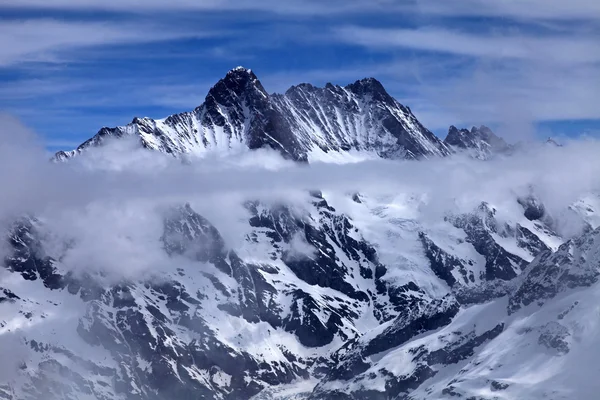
[{"x": 305, "y": 123}]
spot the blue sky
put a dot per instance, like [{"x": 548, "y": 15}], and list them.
[{"x": 528, "y": 68}]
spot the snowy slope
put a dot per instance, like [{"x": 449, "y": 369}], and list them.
[
  {"x": 360, "y": 117},
  {"x": 307, "y": 305}
]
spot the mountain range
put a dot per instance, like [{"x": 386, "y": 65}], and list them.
[
  {"x": 330, "y": 297},
  {"x": 306, "y": 123}
]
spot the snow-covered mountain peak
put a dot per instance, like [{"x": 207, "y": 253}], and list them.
[
  {"x": 370, "y": 86},
  {"x": 306, "y": 123},
  {"x": 238, "y": 83}
]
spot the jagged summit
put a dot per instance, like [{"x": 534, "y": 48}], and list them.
[
  {"x": 240, "y": 68},
  {"x": 305, "y": 123},
  {"x": 369, "y": 86},
  {"x": 366, "y": 86},
  {"x": 481, "y": 142},
  {"x": 239, "y": 81}
]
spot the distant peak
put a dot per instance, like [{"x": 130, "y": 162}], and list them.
[
  {"x": 482, "y": 132},
  {"x": 456, "y": 136},
  {"x": 453, "y": 130},
  {"x": 482, "y": 129},
  {"x": 481, "y": 138}
]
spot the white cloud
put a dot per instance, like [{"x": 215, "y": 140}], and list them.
[
  {"x": 519, "y": 9},
  {"x": 45, "y": 39},
  {"x": 506, "y": 77},
  {"x": 522, "y": 9},
  {"x": 296, "y": 7},
  {"x": 300, "y": 249},
  {"x": 567, "y": 49},
  {"x": 111, "y": 201},
  {"x": 544, "y": 70}
]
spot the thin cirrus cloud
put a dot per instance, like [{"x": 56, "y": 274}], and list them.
[
  {"x": 529, "y": 62},
  {"x": 520, "y": 9},
  {"x": 290, "y": 7},
  {"x": 560, "y": 49},
  {"x": 45, "y": 39},
  {"x": 511, "y": 77}
]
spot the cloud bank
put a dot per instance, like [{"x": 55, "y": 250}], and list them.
[{"x": 115, "y": 197}]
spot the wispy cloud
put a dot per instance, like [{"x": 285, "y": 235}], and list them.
[
  {"x": 519, "y": 9},
  {"x": 46, "y": 39},
  {"x": 463, "y": 62},
  {"x": 510, "y": 76},
  {"x": 291, "y": 7},
  {"x": 523, "y": 9},
  {"x": 563, "y": 49}
]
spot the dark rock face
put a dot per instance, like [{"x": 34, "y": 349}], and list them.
[
  {"x": 496, "y": 386},
  {"x": 239, "y": 113},
  {"x": 304, "y": 322},
  {"x": 529, "y": 241},
  {"x": 552, "y": 273},
  {"x": 533, "y": 208},
  {"x": 443, "y": 263},
  {"x": 158, "y": 332},
  {"x": 479, "y": 226},
  {"x": 458, "y": 347},
  {"x": 28, "y": 258},
  {"x": 554, "y": 336},
  {"x": 482, "y": 293},
  {"x": 463, "y": 348},
  {"x": 352, "y": 359},
  {"x": 434, "y": 315},
  {"x": 7, "y": 295}
]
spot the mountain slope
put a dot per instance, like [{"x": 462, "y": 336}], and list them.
[{"x": 313, "y": 296}]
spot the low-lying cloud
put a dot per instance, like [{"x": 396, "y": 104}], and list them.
[{"x": 111, "y": 200}]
